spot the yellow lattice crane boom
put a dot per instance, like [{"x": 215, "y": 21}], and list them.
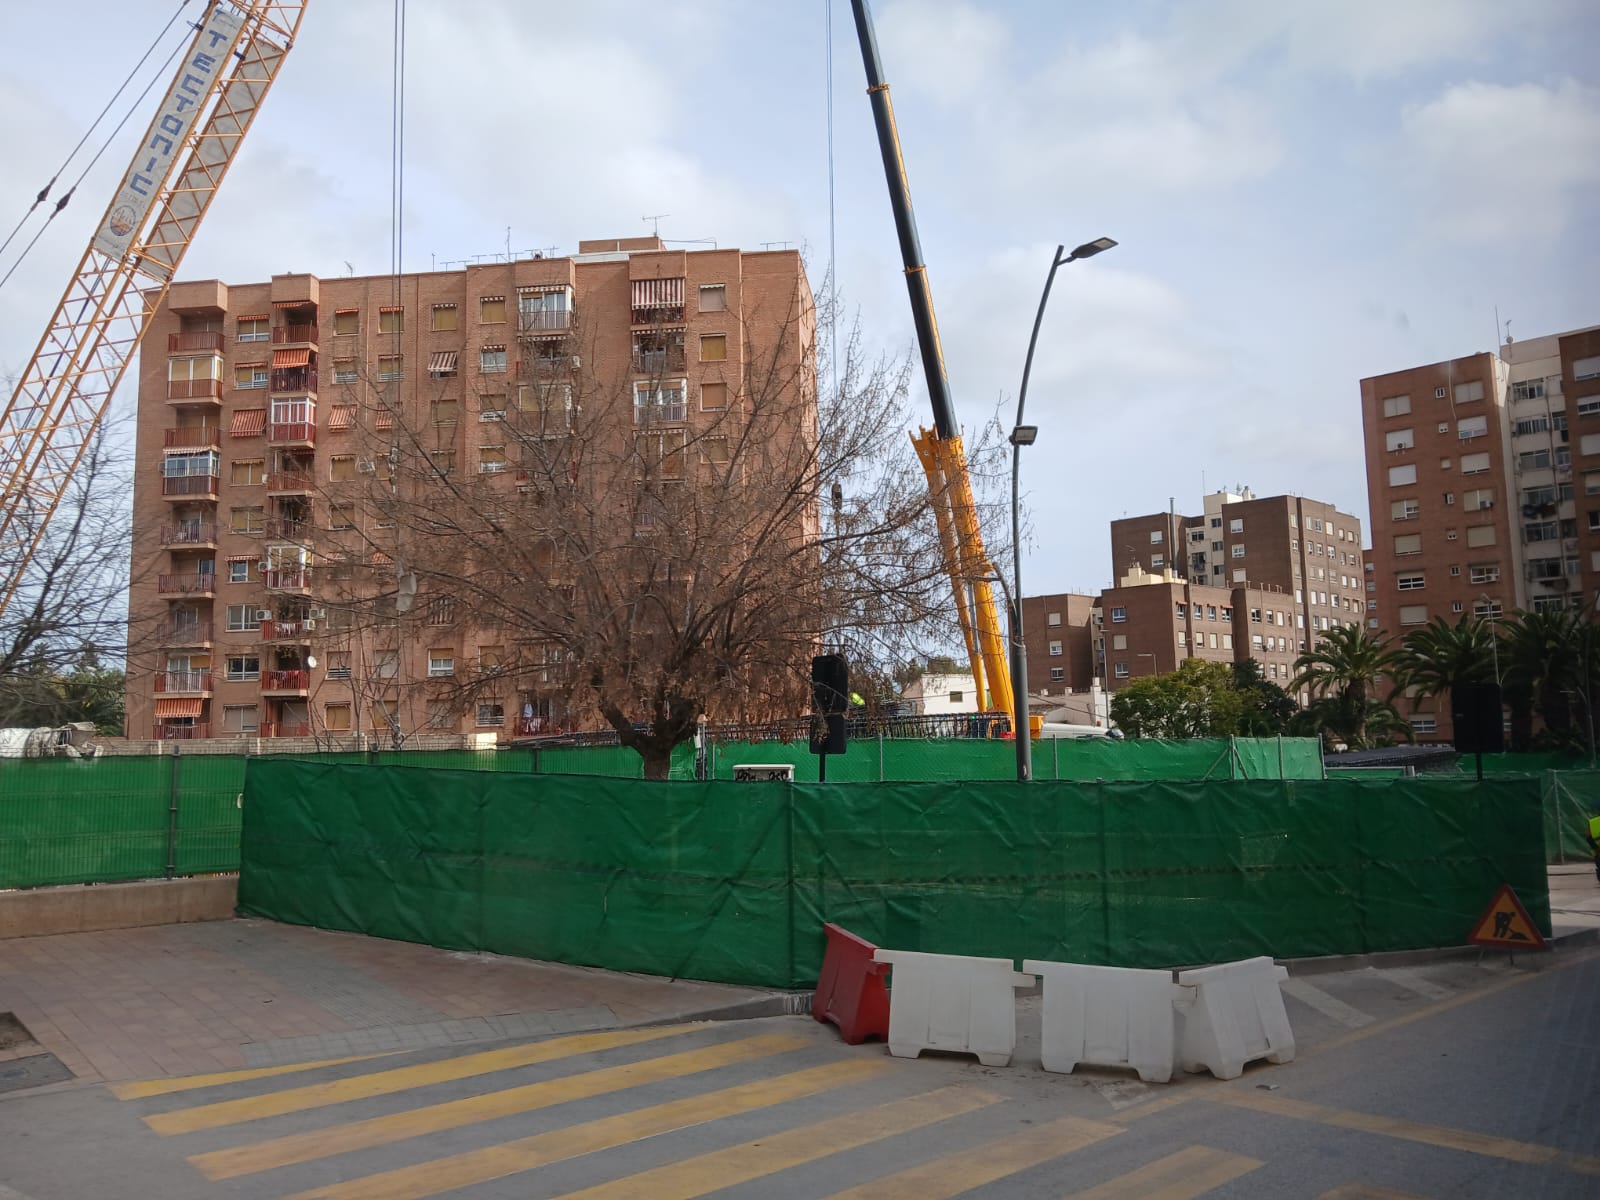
[{"x": 225, "y": 74}]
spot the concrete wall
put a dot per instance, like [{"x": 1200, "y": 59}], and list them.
[{"x": 43, "y": 911}]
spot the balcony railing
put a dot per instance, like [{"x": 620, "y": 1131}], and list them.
[
  {"x": 286, "y": 631},
  {"x": 654, "y": 362},
  {"x": 194, "y": 389},
  {"x": 288, "y": 579},
  {"x": 184, "y": 633},
  {"x": 193, "y": 437},
  {"x": 285, "y": 681},
  {"x": 190, "y": 485},
  {"x": 288, "y": 529},
  {"x": 198, "y": 340},
  {"x": 180, "y": 733},
  {"x": 292, "y": 432},
  {"x": 289, "y": 334},
  {"x": 189, "y": 533},
  {"x": 183, "y": 681},
  {"x": 283, "y": 482},
  {"x": 282, "y": 729},
  {"x": 190, "y": 584},
  {"x": 542, "y": 321},
  {"x": 294, "y": 379}
]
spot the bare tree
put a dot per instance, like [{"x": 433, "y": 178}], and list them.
[{"x": 624, "y": 550}]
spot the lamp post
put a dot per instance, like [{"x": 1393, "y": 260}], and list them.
[{"x": 1024, "y": 435}]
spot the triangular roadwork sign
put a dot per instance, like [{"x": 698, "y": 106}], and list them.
[{"x": 1506, "y": 924}]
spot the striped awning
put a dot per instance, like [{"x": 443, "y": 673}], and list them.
[
  {"x": 248, "y": 422},
  {"x": 256, "y": 317},
  {"x": 178, "y": 708},
  {"x": 392, "y": 308},
  {"x": 443, "y": 360},
  {"x": 290, "y": 358},
  {"x": 342, "y": 416},
  {"x": 385, "y": 419},
  {"x": 291, "y": 303},
  {"x": 658, "y": 293},
  {"x": 541, "y": 287},
  {"x": 345, "y": 312}
]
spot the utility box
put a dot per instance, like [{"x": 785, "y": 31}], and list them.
[{"x": 763, "y": 772}]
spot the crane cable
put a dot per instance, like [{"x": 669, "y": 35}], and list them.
[{"x": 44, "y": 192}]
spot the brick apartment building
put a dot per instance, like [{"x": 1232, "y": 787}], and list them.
[
  {"x": 256, "y": 434},
  {"x": 1475, "y": 469}
]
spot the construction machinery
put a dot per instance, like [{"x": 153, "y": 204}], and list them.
[
  {"x": 940, "y": 449},
  {"x": 51, "y": 419}
]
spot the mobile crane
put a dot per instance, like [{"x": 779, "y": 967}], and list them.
[
  {"x": 231, "y": 62},
  {"x": 944, "y": 459}
]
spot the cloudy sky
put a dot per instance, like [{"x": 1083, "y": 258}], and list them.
[{"x": 1306, "y": 192}]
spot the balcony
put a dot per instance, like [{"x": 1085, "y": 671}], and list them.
[
  {"x": 299, "y": 381},
  {"x": 184, "y": 683},
  {"x": 184, "y": 633},
  {"x": 183, "y": 487},
  {"x": 288, "y": 529},
  {"x": 282, "y": 729},
  {"x": 189, "y": 391},
  {"x": 180, "y": 733},
  {"x": 294, "y": 335},
  {"x": 193, "y": 437},
  {"x": 188, "y": 584},
  {"x": 290, "y": 483},
  {"x": 287, "y": 579},
  {"x": 285, "y": 681},
  {"x": 292, "y": 433},
  {"x": 544, "y": 322},
  {"x": 656, "y": 362},
  {"x": 197, "y": 534},
  {"x": 178, "y": 343},
  {"x": 287, "y": 631}
]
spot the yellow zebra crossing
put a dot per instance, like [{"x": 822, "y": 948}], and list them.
[{"x": 871, "y": 1101}]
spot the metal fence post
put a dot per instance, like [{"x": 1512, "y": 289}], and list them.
[
  {"x": 173, "y": 774},
  {"x": 880, "y": 756}
]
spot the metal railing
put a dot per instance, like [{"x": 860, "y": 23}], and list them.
[
  {"x": 533, "y": 322},
  {"x": 180, "y": 733},
  {"x": 184, "y": 633},
  {"x": 282, "y": 334},
  {"x": 304, "y": 432},
  {"x": 193, "y": 437},
  {"x": 285, "y": 631},
  {"x": 288, "y": 578},
  {"x": 285, "y": 681},
  {"x": 290, "y": 481},
  {"x": 189, "y": 533},
  {"x": 284, "y": 729},
  {"x": 293, "y": 379},
  {"x": 195, "y": 340},
  {"x": 194, "y": 389},
  {"x": 190, "y": 485},
  {"x": 183, "y": 681},
  {"x": 187, "y": 583}
]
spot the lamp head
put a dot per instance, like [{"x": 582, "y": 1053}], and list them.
[
  {"x": 1024, "y": 435},
  {"x": 1090, "y": 249}
]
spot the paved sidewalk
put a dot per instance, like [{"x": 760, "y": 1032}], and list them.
[
  {"x": 1574, "y": 899},
  {"x": 184, "y": 999}
]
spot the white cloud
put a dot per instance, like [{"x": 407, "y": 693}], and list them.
[
  {"x": 1489, "y": 162},
  {"x": 961, "y": 46}
]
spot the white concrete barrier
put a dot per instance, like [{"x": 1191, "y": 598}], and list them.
[
  {"x": 1235, "y": 1017},
  {"x": 1107, "y": 1017},
  {"x": 952, "y": 1002}
]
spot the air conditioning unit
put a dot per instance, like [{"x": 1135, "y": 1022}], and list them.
[
  {"x": 366, "y": 466},
  {"x": 763, "y": 772},
  {"x": 576, "y": 362},
  {"x": 318, "y": 614},
  {"x": 263, "y": 614},
  {"x": 1444, "y": 426},
  {"x": 1438, "y": 393},
  {"x": 1485, "y": 504},
  {"x": 492, "y": 414},
  {"x": 308, "y": 625}
]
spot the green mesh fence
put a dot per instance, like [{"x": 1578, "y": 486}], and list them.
[{"x": 732, "y": 882}]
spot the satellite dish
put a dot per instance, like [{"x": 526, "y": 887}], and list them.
[{"x": 311, "y": 661}]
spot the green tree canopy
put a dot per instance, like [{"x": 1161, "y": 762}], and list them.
[
  {"x": 1197, "y": 700},
  {"x": 1344, "y": 670}
]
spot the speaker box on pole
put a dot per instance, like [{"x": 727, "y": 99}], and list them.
[{"x": 1475, "y": 713}]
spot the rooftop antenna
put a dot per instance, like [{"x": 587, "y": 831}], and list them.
[{"x": 655, "y": 223}]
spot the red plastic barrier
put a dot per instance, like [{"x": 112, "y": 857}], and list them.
[{"x": 850, "y": 991}]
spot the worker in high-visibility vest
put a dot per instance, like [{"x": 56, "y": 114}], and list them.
[{"x": 1593, "y": 834}]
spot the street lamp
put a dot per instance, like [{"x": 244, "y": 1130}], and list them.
[{"x": 1024, "y": 435}]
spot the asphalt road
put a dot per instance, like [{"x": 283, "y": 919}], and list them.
[{"x": 1459, "y": 1080}]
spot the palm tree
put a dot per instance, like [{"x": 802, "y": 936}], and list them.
[
  {"x": 1434, "y": 659},
  {"x": 1345, "y": 668},
  {"x": 1541, "y": 652}
]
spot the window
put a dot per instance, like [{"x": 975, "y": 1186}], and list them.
[
  {"x": 1400, "y": 476},
  {"x": 1120, "y": 670},
  {"x": 715, "y": 450},
  {"x": 338, "y": 664},
  {"x": 194, "y": 369},
  {"x": 1404, "y": 510},
  {"x": 713, "y": 397},
  {"x": 243, "y": 618},
  {"x": 1480, "y": 535},
  {"x": 391, "y": 320},
  {"x": 336, "y": 718},
  {"x": 1474, "y": 464},
  {"x": 542, "y": 310},
  {"x": 491, "y": 459},
  {"x": 1527, "y": 425},
  {"x": 1424, "y": 724},
  {"x": 1052, "y": 618},
  {"x": 1157, "y": 562},
  {"x": 1478, "y": 498},
  {"x": 1483, "y": 572},
  {"x": 713, "y": 297},
  {"x": 385, "y": 664},
  {"x": 247, "y": 472},
  {"x": 1238, "y": 550},
  {"x": 239, "y": 718},
  {"x": 1183, "y": 638},
  {"x": 1396, "y": 406},
  {"x": 442, "y": 462},
  {"x": 1216, "y": 522},
  {"x": 441, "y": 610},
  {"x": 1119, "y": 615},
  {"x": 342, "y": 468},
  {"x": 1211, "y": 612},
  {"x": 492, "y": 360},
  {"x": 347, "y": 322},
  {"x": 492, "y": 407},
  {"x": 1413, "y": 614},
  {"x": 713, "y": 347},
  {"x": 391, "y": 367},
  {"x": 1057, "y": 674},
  {"x": 1182, "y": 610},
  {"x": 247, "y": 520},
  {"x": 1399, "y": 439},
  {"x": 1216, "y": 547},
  {"x": 446, "y": 412},
  {"x": 1156, "y": 537},
  {"x": 1055, "y": 649},
  {"x": 492, "y": 310},
  {"x": 242, "y": 667},
  {"x": 1590, "y": 444},
  {"x": 255, "y": 329},
  {"x": 491, "y": 713},
  {"x": 1236, "y": 525},
  {"x": 656, "y": 404},
  {"x": 444, "y": 318},
  {"x": 1472, "y": 427},
  {"x": 1466, "y": 393},
  {"x": 1238, "y": 574},
  {"x": 441, "y": 662},
  {"x": 239, "y": 570},
  {"x": 1227, "y": 641},
  {"x": 341, "y": 516},
  {"x": 549, "y": 407},
  {"x": 956, "y": 697},
  {"x": 1408, "y": 543},
  {"x": 250, "y": 376},
  {"x": 346, "y": 371},
  {"x": 1410, "y": 583},
  {"x": 661, "y": 453}
]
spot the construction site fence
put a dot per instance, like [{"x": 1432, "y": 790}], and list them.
[{"x": 733, "y": 881}]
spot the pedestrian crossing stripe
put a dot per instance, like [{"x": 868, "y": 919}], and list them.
[
  {"x": 1191, "y": 1172},
  {"x": 1506, "y": 924},
  {"x": 488, "y": 1106},
  {"x": 558, "y": 1145},
  {"x": 139, "y": 1089},
  {"x": 400, "y": 1079}
]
